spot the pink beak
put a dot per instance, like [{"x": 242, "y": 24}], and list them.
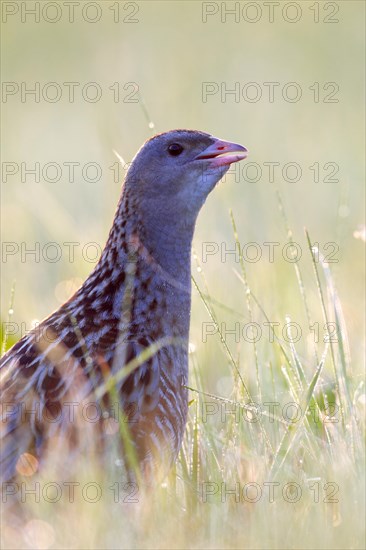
[{"x": 223, "y": 153}]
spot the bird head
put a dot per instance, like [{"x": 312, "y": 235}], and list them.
[{"x": 180, "y": 168}]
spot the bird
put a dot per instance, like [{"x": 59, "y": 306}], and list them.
[{"x": 123, "y": 336}]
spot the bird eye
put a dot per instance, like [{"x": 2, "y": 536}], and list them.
[{"x": 175, "y": 149}]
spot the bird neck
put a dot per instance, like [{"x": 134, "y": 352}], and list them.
[
  {"x": 168, "y": 239},
  {"x": 159, "y": 233}
]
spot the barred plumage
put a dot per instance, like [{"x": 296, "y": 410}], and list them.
[{"x": 136, "y": 303}]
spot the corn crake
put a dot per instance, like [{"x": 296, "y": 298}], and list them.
[{"x": 135, "y": 304}]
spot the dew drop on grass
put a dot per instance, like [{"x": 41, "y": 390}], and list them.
[{"x": 360, "y": 233}]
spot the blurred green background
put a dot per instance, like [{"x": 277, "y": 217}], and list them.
[{"x": 169, "y": 52}]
